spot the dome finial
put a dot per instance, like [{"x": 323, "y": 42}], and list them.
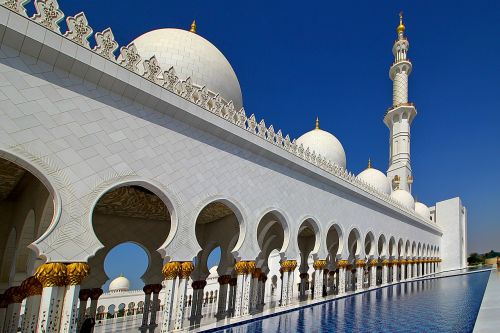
[
  {"x": 369, "y": 163},
  {"x": 401, "y": 26},
  {"x": 317, "y": 123},
  {"x": 193, "y": 27}
]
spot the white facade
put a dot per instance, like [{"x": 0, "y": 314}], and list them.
[{"x": 122, "y": 149}]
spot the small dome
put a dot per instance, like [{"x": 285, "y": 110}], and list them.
[
  {"x": 375, "y": 178},
  {"x": 192, "y": 56},
  {"x": 404, "y": 197},
  {"x": 422, "y": 210},
  {"x": 325, "y": 144},
  {"x": 121, "y": 283}
]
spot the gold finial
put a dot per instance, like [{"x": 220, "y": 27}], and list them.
[
  {"x": 401, "y": 26},
  {"x": 369, "y": 163},
  {"x": 317, "y": 123},
  {"x": 193, "y": 27}
]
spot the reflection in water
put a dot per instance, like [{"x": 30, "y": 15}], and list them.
[{"x": 440, "y": 305}]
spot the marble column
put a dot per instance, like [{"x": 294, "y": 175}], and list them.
[
  {"x": 84, "y": 296},
  {"x": 395, "y": 263},
  {"x": 419, "y": 267},
  {"x": 247, "y": 288},
  {"x": 360, "y": 270},
  {"x": 403, "y": 269},
  {"x": 75, "y": 273},
  {"x": 409, "y": 265},
  {"x": 262, "y": 283},
  {"x": 222, "y": 302},
  {"x": 170, "y": 271},
  {"x": 197, "y": 302},
  {"x": 414, "y": 268},
  {"x": 288, "y": 268},
  {"x": 233, "y": 284},
  {"x": 373, "y": 273},
  {"x": 254, "y": 290},
  {"x": 33, "y": 289},
  {"x": 15, "y": 296},
  {"x": 385, "y": 271},
  {"x": 342, "y": 265},
  {"x": 187, "y": 268},
  {"x": 53, "y": 277},
  {"x": 95, "y": 293},
  {"x": 147, "y": 305},
  {"x": 332, "y": 282},
  {"x": 319, "y": 266},
  {"x": 3, "y": 310},
  {"x": 304, "y": 277},
  {"x": 291, "y": 281},
  {"x": 155, "y": 306}
]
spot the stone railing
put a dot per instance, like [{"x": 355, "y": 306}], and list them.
[{"x": 49, "y": 15}]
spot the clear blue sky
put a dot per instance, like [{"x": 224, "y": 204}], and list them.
[{"x": 299, "y": 60}]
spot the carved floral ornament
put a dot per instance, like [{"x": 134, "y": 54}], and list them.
[
  {"x": 288, "y": 265},
  {"x": 343, "y": 263},
  {"x": 56, "y": 274},
  {"x": 360, "y": 263},
  {"x": 49, "y": 15},
  {"x": 319, "y": 264}
]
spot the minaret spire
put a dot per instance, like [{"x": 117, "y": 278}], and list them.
[
  {"x": 317, "y": 123},
  {"x": 193, "y": 27},
  {"x": 401, "y": 114}
]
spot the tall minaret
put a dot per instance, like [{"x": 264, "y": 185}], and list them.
[{"x": 400, "y": 115}]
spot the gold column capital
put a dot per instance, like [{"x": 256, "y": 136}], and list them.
[
  {"x": 76, "y": 272},
  {"x": 374, "y": 262},
  {"x": 240, "y": 267},
  {"x": 251, "y": 267},
  {"x": 187, "y": 268},
  {"x": 385, "y": 262},
  {"x": 171, "y": 270},
  {"x": 360, "y": 263},
  {"x": 52, "y": 274},
  {"x": 343, "y": 263},
  {"x": 319, "y": 264},
  {"x": 32, "y": 286},
  {"x": 288, "y": 265}
]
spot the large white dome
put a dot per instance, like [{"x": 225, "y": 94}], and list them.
[
  {"x": 121, "y": 283},
  {"x": 324, "y": 143},
  {"x": 404, "y": 197},
  {"x": 376, "y": 178},
  {"x": 192, "y": 56},
  {"x": 422, "y": 210}
]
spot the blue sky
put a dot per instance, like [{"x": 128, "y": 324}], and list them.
[{"x": 299, "y": 60}]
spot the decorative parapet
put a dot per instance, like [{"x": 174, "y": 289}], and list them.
[{"x": 49, "y": 15}]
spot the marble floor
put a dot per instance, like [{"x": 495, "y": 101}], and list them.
[{"x": 488, "y": 319}]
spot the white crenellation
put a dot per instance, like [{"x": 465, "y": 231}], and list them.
[
  {"x": 79, "y": 30},
  {"x": 129, "y": 58},
  {"x": 152, "y": 70},
  {"x": 106, "y": 44},
  {"x": 16, "y": 6},
  {"x": 49, "y": 15}
]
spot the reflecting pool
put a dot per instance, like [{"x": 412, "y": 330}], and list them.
[{"x": 448, "y": 304}]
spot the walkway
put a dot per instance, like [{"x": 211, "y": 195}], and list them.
[{"x": 488, "y": 319}]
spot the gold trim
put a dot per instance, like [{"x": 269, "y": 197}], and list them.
[
  {"x": 319, "y": 264},
  {"x": 52, "y": 274},
  {"x": 171, "y": 270},
  {"x": 76, "y": 272},
  {"x": 187, "y": 268}
]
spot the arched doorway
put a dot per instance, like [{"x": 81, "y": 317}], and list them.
[
  {"x": 133, "y": 213},
  {"x": 271, "y": 232},
  {"x": 217, "y": 227}
]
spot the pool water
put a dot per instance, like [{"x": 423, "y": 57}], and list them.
[{"x": 448, "y": 304}]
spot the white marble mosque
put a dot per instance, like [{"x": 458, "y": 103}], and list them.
[{"x": 149, "y": 143}]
